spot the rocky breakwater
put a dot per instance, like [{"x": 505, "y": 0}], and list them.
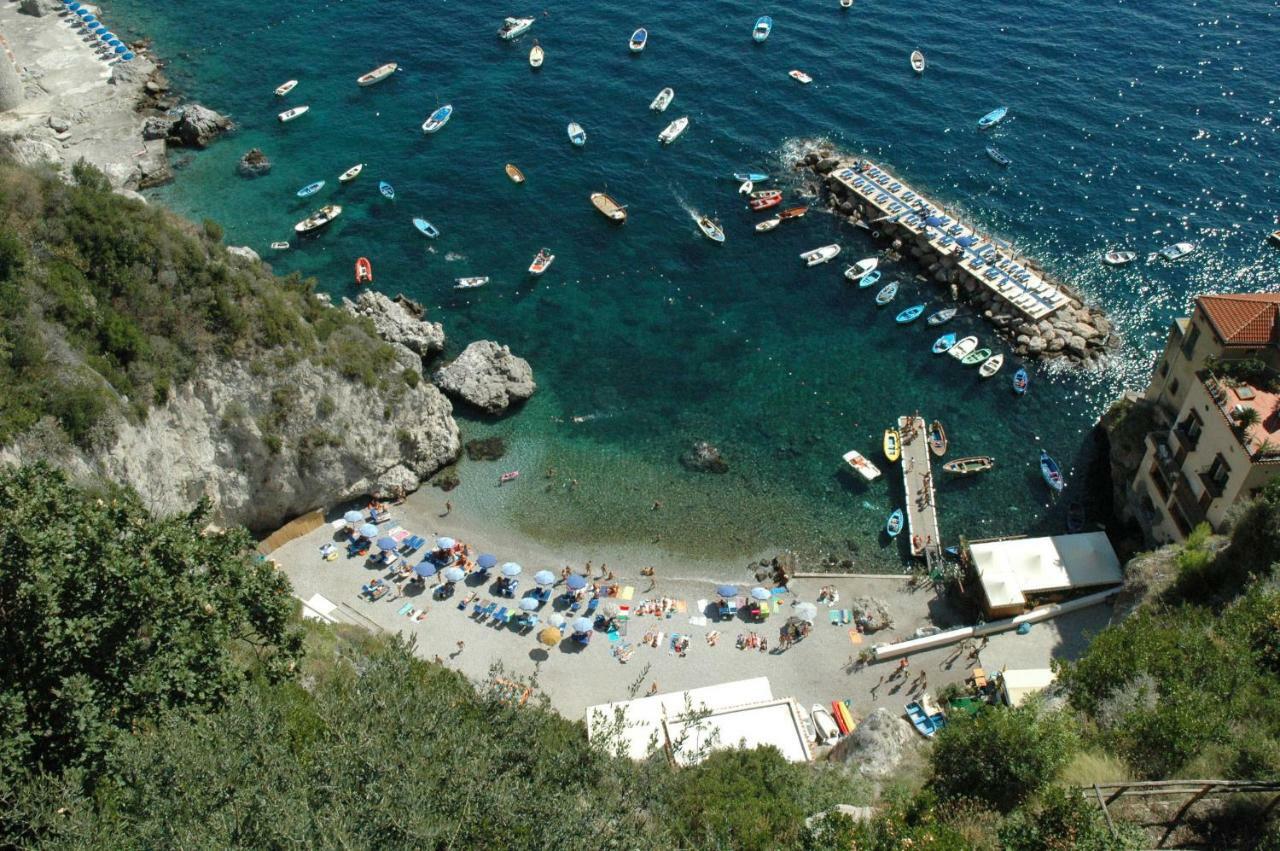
[{"x": 1074, "y": 331}]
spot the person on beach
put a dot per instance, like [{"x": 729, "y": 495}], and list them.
[{"x": 653, "y": 688}]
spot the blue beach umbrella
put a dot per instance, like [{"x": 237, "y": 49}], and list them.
[
  {"x": 113, "y": 41},
  {"x": 387, "y": 543},
  {"x": 126, "y": 56},
  {"x": 759, "y": 593},
  {"x": 90, "y": 19},
  {"x": 557, "y": 620},
  {"x": 98, "y": 28},
  {"x": 966, "y": 241},
  {"x": 121, "y": 49},
  {"x": 445, "y": 543},
  {"x": 486, "y": 561},
  {"x": 82, "y": 12},
  {"x": 528, "y": 604},
  {"x": 544, "y": 577},
  {"x": 75, "y": 7},
  {"x": 425, "y": 569},
  {"x": 353, "y": 517},
  {"x": 727, "y": 590},
  {"x": 455, "y": 574},
  {"x": 511, "y": 569},
  {"x": 582, "y": 625},
  {"x": 368, "y": 530},
  {"x": 575, "y": 582},
  {"x": 933, "y": 220}
]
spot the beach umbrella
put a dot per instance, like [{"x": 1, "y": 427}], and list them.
[
  {"x": 583, "y": 625},
  {"x": 966, "y": 241},
  {"x": 727, "y": 590},
  {"x": 486, "y": 561},
  {"x": 528, "y": 604},
  {"x": 73, "y": 6},
  {"x": 368, "y": 530},
  {"x": 425, "y": 569},
  {"x": 98, "y": 28},
  {"x": 121, "y": 49},
  {"x": 511, "y": 569},
  {"x": 550, "y": 636},
  {"x": 445, "y": 543},
  {"x": 933, "y": 220},
  {"x": 126, "y": 56},
  {"x": 544, "y": 577},
  {"x": 82, "y": 12},
  {"x": 575, "y": 582},
  {"x": 90, "y": 19},
  {"x": 557, "y": 620},
  {"x": 806, "y": 612},
  {"x": 760, "y": 594},
  {"x": 387, "y": 543},
  {"x": 454, "y": 574},
  {"x": 353, "y": 517}
]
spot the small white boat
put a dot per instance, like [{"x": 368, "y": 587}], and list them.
[
  {"x": 541, "y": 261},
  {"x": 663, "y": 100},
  {"x": 438, "y": 119},
  {"x": 820, "y": 255},
  {"x": 863, "y": 267},
  {"x": 991, "y": 366},
  {"x": 846, "y": 4},
  {"x": 514, "y": 27},
  {"x": 963, "y": 348},
  {"x": 1119, "y": 258},
  {"x": 535, "y": 55},
  {"x": 469, "y": 283},
  {"x": 290, "y": 114},
  {"x": 709, "y": 228},
  {"x": 284, "y": 88},
  {"x": 577, "y": 135},
  {"x": 639, "y": 39},
  {"x": 318, "y": 219},
  {"x": 917, "y": 61},
  {"x": 1177, "y": 251},
  {"x": 609, "y": 207},
  {"x": 764, "y": 26},
  {"x": 377, "y": 75},
  {"x": 801, "y": 76},
  {"x": 768, "y": 224},
  {"x": 861, "y": 465},
  {"x": 746, "y": 188},
  {"x": 351, "y": 173},
  {"x": 825, "y": 724},
  {"x": 673, "y": 130},
  {"x": 280, "y": 246}
]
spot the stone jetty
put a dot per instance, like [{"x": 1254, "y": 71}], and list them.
[{"x": 1039, "y": 316}]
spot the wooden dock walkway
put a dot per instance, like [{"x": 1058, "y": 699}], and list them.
[
  {"x": 917, "y": 479},
  {"x": 981, "y": 258}
]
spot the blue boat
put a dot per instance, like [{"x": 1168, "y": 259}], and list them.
[
  {"x": 1052, "y": 472},
  {"x": 925, "y": 724},
  {"x": 387, "y": 190},
  {"x": 764, "y": 25},
  {"x": 426, "y": 228},
  {"x": 992, "y": 118},
  {"x": 1020, "y": 381},
  {"x": 753, "y": 176},
  {"x": 910, "y": 314},
  {"x": 893, "y": 525},
  {"x": 869, "y": 280},
  {"x": 943, "y": 343},
  {"x": 438, "y": 119},
  {"x": 311, "y": 189},
  {"x": 886, "y": 295}
]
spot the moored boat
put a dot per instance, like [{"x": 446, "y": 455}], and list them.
[
  {"x": 673, "y": 130},
  {"x": 746, "y": 187},
  {"x": 377, "y": 75},
  {"x": 861, "y": 465},
  {"x": 280, "y": 246},
  {"x": 937, "y": 438},
  {"x": 946, "y": 341},
  {"x": 846, "y": 4},
  {"x": 976, "y": 357},
  {"x": 793, "y": 213},
  {"x": 1119, "y": 258},
  {"x": 1177, "y": 251},
  {"x": 541, "y": 261},
  {"x": 754, "y": 176},
  {"x": 863, "y": 267},
  {"x": 286, "y": 87},
  {"x": 768, "y": 224},
  {"x": 663, "y": 100},
  {"x": 824, "y": 724},
  {"x": 886, "y": 295},
  {"x": 764, "y": 25},
  {"x": 425, "y": 228},
  {"x": 318, "y": 219},
  {"x": 310, "y": 189},
  {"x": 709, "y": 228},
  {"x": 917, "y": 61},
  {"x": 536, "y": 55},
  {"x": 609, "y": 208},
  {"x": 999, "y": 158},
  {"x": 639, "y": 39},
  {"x": 992, "y": 118},
  {"x": 969, "y": 466},
  {"x": 1275, "y": 237},
  {"x": 944, "y": 315},
  {"x": 514, "y": 27},
  {"x": 577, "y": 135},
  {"x": 991, "y": 365},
  {"x": 767, "y": 193},
  {"x": 869, "y": 280},
  {"x": 1051, "y": 472},
  {"x": 387, "y": 190},
  {"x": 892, "y": 445},
  {"x": 469, "y": 283},
  {"x": 765, "y": 203},
  {"x": 963, "y": 348},
  {"x": 1020, "y": 381},
  {"x": 910, "y": 314},
  {"x": 893, "y": 525},
  {"x": 290, "y": 114},
  {"x": 516, "y": 175},
  {"x": 800, "y": 76},
  {"x": 351, "y": 173},
  {"x": 821, "y": 254},
  {"x": 364, "y": 271},
  {"x": 438, "y": 119}
]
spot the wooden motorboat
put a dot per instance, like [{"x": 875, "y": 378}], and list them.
[
  {"x": 969, "y": 466},
  {"x": 318, "y": 219},
  {"x": 425, "y": 228},
  {"x": 917, "y": 61},
  {"x": 926, "y": 723},
  {"x": 943, "y": 343},
  {"x": 469, "y": 283},
  {"x": 377, "y": 75},
  {"x": 944, "y": 315},
  {"x": 514, "y": 27},
  {"x": 286, "y": 87},
  {"x": 991, "y": 365},
  {"x": 663, "y": 100},
  {"x": 893, "y": 525},
  {"x": 638, "y": 40},
  {"x": 516, "y": 175},
  {"x": 863, "y": 267},
  {"x": 438, "y": 119},
  {"x": 826, "y": 726},
  {"x": 541, "y": 261},
  {"x": 793, "y": 213},
  {"x": 536, "y": 55},
  {"x": 364, "y": 271},
  {"x": 975, "y": 357},
  {"x": 1051, "y": 472},
  {"x": 1020, "y": 381},
  {"x": 1120, "y": 258},
  {"x": 892, "y": 445},
  {"x": 820, "y": 254},
  {"x": 577, "y": 135},
  {"x": 709, "y": 228},
  {"x": 290, "y": 114},
  {"x": 768, "y": 224},
  {"x": 609, "y": 208},
  {"x": 886, "y": 295},
  {"x": 351, "y": 173},
  {"x": 800, "y": 76},
  {"x": 767, "y": 193},
  {"x": 764, "y": 26},
  {"x": 937, "y": 439},
  {"x": 963, "y": 348},
  {"x": 673, "y": 130},
  {"x": 861, "y": 465},
  {"x": 765, "y": 203}
]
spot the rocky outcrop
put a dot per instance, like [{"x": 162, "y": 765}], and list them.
[
  {"x": 39, "y": 8},
  {"x": 702, "y": 457},
  {"x": 254, "y": 163},
  {"x": 244, "y": 252},
  {"x": 398, "y": 321},
  {"x": 877, "y": 745},
  {"x": 197, "y": 126},
  {"x": 487, "y": 376}
]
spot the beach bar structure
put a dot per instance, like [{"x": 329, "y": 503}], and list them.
[
  {"x": 917, "y": 482},
  {"x": 981, "y": 258}
]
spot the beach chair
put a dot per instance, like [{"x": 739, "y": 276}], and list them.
[
  {"x": 502, "y": 614},
  {"x": 835, "y": 617},
  {"x": 477, "y": 611},
  {"x": 488, "y": 610},
  {"x": 591, "y": 607}
]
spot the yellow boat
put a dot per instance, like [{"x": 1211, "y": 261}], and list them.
[
  {"x": 516, "y": 175},
  {"x": 892, "y": 445}
]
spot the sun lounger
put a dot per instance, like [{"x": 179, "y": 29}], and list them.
[
  {"x": 846, "y": 616},
  {"x": 835, "y": 617},
  {"x": 404, "y": 610},
  {"x": 502, "y": 614},
  {"x": 488, "y": 610},
  {"x": 591, "y": 607}
]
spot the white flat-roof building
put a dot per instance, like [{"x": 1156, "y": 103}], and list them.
[
  {"x": 1013, "y": 574},
  {"x": 1017, "y": 685}
]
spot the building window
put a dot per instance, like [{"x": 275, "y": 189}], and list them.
[
  {"x": 1189, "y": 343},
  {"x": 1164, "y": 368},
  {"x": 1173, "y": 387},
  {"x": 1191, "y": 425},
  {"x": 1215, "y": 478}
]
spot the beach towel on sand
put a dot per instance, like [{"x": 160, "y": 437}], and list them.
[{"x": 627, "y": 593}]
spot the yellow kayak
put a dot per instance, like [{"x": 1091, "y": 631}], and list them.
[{"x": 892, "y": 445}]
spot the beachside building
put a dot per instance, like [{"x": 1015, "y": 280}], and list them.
[
  {"x": 1217, "y": 388},
  {"x": 1018, "y": 574}
]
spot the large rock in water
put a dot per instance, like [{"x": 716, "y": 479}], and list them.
[
  {"x": 396, "y": 321},
  {"x": 198, "y": 126},
  {"x": 877, "y": 745},
  {"x": 254, "y": 163},
  {"x": 702, "y": 457},
  {"x": 488, "y": 376}
]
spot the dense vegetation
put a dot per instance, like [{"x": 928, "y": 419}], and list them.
[{"x": 107, "y": 304}]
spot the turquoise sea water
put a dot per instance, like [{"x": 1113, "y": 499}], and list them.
[{"x": 1131, "y": 124}]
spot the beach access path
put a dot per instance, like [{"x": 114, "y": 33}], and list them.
[{"x": 818, "y": 669}]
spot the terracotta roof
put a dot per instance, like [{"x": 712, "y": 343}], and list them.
[{"x": 1243, "y": 319}]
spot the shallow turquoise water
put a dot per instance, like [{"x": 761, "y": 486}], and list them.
[{"x": 1137, "y": 124}]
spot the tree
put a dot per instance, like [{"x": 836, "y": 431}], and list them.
[
  {"x": 1062, "y": 820},
  {"x": 109, "y": 618},
  {"x": 1003, "y": 756}
]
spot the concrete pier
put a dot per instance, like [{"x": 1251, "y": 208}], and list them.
[{"x": 917, "y": 480}]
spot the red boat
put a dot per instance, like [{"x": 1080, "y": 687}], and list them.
[
  {"x": 364, "y": 271},
  {"x": 793, "y": 213},
  {"x": 765, "y": 203}
]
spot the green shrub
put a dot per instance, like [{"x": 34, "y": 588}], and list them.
[{"x": 1062, "y": 820}]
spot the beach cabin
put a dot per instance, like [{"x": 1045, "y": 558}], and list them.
[{"x": 1017, "y": 575}]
